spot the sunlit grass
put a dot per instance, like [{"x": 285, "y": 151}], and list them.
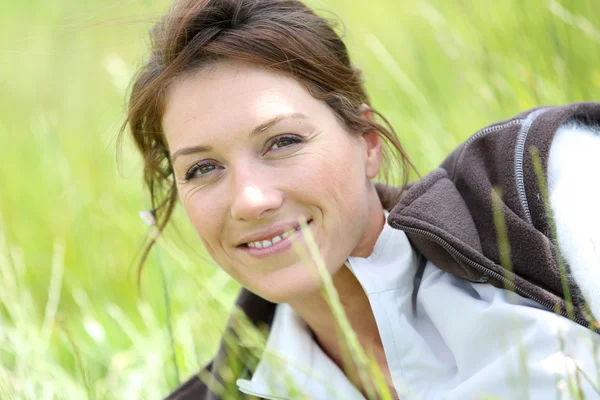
[{"x": 73, "y": 324}]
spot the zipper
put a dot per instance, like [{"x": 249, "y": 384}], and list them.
[
  {"x": 490, "y": 129},
  {"x": 484, "y": 270},
  {"x": 519, "y": 157},
  {"x": 479, "y": 134}
]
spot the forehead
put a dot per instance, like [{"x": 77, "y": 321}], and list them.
[{"x": 232, "y": 96}]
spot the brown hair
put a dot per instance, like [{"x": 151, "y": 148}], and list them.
[{"x": 282, "y": 35}]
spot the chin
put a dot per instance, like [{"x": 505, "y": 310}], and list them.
[{"x": 289, "y": 286}]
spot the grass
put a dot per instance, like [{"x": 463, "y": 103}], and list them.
[{"x": 73, "y": 324}]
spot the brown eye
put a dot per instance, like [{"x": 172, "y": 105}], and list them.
[
  {"x": 284, "y": 141},
  {"x": 200, "y": 169}
]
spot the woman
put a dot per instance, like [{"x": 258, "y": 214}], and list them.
[{"x": 251, "y": 113}]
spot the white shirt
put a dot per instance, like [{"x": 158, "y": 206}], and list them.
[{"x": 467, "y": 340}]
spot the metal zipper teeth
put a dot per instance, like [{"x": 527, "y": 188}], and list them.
[
  {"x": 447, "y": 246},
  {"x": 494, "y": 128},
  {"x": 520, "y": 156},
  {"x": 479, "y": 134}
]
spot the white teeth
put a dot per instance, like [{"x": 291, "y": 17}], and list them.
[
  {"x": 268, "y": 243},
  {"x": 263, "y": 244}
]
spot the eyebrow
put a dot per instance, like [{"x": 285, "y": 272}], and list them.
[{"x": 256, "y": 131}]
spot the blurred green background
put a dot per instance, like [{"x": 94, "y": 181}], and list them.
[{"x": 73, "y": 322}]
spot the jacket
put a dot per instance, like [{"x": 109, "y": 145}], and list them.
[{"x": 483, "y": 216}]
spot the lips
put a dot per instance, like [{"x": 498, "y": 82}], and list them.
[
  {"x": 267, "y": 234},
  {"x": 263, "y": 244},
  {"x": 269, "y": 245}
]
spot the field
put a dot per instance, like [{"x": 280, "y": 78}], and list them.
[{"x": 74, "y": 324}]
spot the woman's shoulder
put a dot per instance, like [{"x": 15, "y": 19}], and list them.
[
  {"x": 494, "y": 186},
  {"x": 510, "y": 142}
]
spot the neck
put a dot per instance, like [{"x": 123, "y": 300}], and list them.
[
  {"x": 317, "y": 314},
  {"x": 319, "y": 317}
]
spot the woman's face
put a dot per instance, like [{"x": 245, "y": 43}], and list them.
[{"x": 252, "y": 152}]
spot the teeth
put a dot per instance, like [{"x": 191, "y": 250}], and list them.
[{"x": 263, "y": 244}]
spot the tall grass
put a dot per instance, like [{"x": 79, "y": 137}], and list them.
[{"x": 73, "y": 324}]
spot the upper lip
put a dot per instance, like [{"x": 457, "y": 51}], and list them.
[{"x": 269, "y": 233}]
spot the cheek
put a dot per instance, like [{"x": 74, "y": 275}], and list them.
[
  {"x": 207, "y": 219},
  {"x": 335, "y": 182},
  {"x": 342, "y": 173},
  {"x": 338, "y": 160},
  {"x": 348, "y": 187}
]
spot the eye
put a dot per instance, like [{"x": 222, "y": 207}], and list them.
[
  {"x": 279, "y": 142},
  {"x": 201, "y": 169}
]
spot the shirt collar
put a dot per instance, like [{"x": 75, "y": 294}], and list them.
[{"x": 293, "y": 365}]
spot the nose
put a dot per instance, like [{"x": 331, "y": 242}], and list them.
[{"x": 254, "y": 195}]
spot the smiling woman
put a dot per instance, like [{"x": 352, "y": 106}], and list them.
[
  {"x": 244, "y": 182},
  {"x": 283, "y": 37},
  {"x": 251, "y": 113}
]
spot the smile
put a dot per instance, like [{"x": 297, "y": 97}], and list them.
[
  {"x": 274, "y": 245},
  {"x": 263, "y": 244}
]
